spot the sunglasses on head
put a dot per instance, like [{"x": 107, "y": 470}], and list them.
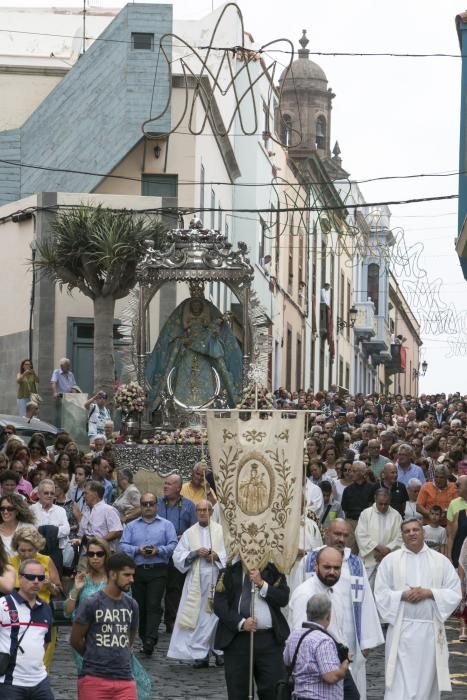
[
  {"x": 99, "y": 554},
  {"x": 146, "y": 504},
  {"x": 7, "y": 509},
  {"x": 34, "y": 577}
]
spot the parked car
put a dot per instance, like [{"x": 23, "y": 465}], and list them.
[{"x": 25, "y": 428}]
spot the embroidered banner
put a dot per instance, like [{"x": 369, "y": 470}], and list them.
[{"x": 258, "y": 469}]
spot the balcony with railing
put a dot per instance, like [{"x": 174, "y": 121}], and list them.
[
  {"x": 365, "y": 322},
  {"x": 380, "y": 344}
]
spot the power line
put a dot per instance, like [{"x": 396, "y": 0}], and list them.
[
  {"x": 189, "y": 183},
  {"x": 250, "y": 50}
]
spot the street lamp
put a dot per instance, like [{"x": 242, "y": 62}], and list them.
[
  {"x": 417, "y": 373},
  {"x": 341, "y": 324}
]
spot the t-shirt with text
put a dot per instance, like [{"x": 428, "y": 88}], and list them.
[{"x": 110, "y": 622}]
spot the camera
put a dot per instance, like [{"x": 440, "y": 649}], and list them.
[
  {"x": 148, "y": 548},
  {"x": 342, "y": 652}
]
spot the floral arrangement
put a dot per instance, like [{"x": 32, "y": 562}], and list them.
[
  {"x": 187, "y": 436},
  {"x": 248, "y": 400},
  {"x": 129, "y": 397}
]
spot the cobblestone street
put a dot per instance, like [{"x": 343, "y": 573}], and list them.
[{"x": 174, "y": 680}]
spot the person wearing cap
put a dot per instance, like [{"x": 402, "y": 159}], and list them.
[{"x": 98, "y": 414}]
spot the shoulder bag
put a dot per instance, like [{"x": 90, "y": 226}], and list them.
[
  {"x": 6, "y": 659},
  {"x": 284, "y": 687}
]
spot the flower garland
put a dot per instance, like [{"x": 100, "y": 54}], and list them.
[
  {"x": 187, "y": 436},
  {"x": 130, "y": 397}
]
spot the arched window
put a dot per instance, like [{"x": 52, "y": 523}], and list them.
[
  {"x": 286, "y": 129},
  {"x": 321, "y": 133},
  {"x": 373, "y": 284}
]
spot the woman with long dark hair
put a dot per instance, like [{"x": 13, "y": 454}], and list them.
[{"x": 28, "y": 383}]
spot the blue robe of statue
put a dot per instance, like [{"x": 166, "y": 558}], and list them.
[{"x": 194, "y": 343}]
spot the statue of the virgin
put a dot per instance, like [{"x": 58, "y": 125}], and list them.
[{"x": 194, "y": 346}]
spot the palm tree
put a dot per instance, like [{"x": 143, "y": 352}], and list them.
[{"x": 96, "y": 250}]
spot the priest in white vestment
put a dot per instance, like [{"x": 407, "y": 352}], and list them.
[
  {"x": 378, "y": 533},
  {"x": 201, "y": 554},
  {"x": 416, "y": 590},
  {"x": 354, "y": 618}
]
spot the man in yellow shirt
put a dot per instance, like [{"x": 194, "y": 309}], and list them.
[{"x": 198, "y": 489}]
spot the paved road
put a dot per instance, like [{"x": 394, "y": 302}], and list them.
[{"x": 174, "y": 680}]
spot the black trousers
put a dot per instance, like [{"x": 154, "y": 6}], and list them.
[
  {"x": 173, "y": 593},
  {"x": 42, "y": 691},
  {"x": 268, "y": 665},
  {"x": 148, "y": 591}
]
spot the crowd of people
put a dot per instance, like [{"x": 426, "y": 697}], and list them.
[{"x": 383, "y": 541}]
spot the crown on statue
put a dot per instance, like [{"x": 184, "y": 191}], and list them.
[{"x": 196, "y": 289}]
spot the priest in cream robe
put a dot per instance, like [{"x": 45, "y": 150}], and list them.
[
  {"x": 201, "y": 554},
  {"x": 378, "y": 533},
  {"x": 416, "y": 590},
  {"x": 354, "y": 618}
]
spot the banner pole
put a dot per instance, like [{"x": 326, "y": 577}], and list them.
[{"x": 252, "y": 641}]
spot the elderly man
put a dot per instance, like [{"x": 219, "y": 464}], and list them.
[
  {"x": 439, "y": 493},
  {"x": 150, "y": 540},
  {"x": 197, "y": 489},
  {"x": 378, "y": 533},
  {"x": 388, "y": 438},
  {"x": 180, "y": 511},
  {"x": 25, "y": 631},
  {"x": 377, "y": 461},
  {"x": 416, "y": 590},
  {"x": 47, "y": 513},
  {"x": 356, "y": 621},
  {"x": 63, "y": 379},
  {"x": 397, "y": 490},
  {"x": 99, "y": 519},
  {"x": 200, "y": 553},
  {"x": 406, "y": 470},
  {"x": 317, "y": 666}
]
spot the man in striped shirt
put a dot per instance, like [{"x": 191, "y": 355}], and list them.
[
  {"x": 318, "y": 673},
  {"x": 25, "y": 632}
]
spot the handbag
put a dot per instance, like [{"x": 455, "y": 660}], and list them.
[
  {"x": 37, "y": 398},
  {"x": 143, "y": 682}
]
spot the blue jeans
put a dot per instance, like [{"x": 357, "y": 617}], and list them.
[{"x": 42, "y": 691}]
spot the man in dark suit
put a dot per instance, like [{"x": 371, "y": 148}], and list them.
[{"x": 232, "y": 605}]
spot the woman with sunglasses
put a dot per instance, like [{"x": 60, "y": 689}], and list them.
[
  {"x": 88, "y": 582},
  {"x": 27, "y": 543},
  {"x": 14, "y": 514}
]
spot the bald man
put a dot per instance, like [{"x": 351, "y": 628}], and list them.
[{"x": 355, "y": 619}]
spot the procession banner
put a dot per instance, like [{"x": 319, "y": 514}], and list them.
[{"x": 258, "y": 469}]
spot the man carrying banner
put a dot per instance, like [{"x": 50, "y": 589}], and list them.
[{"x": 233, "y": 606}]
